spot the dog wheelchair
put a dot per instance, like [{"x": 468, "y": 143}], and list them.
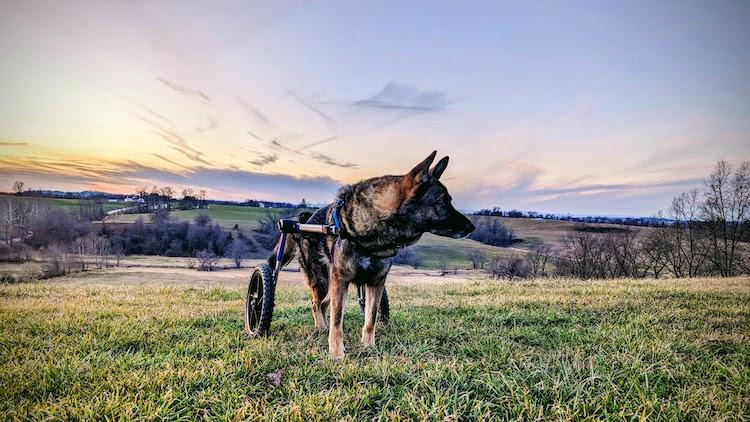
[{"x": 261, "y": 289}]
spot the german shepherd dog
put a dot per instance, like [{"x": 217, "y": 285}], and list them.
[{"x": 379, "y": 217}]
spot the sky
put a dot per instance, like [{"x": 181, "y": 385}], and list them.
[{"x": 568, "y": 107}]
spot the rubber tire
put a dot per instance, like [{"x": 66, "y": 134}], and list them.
[
  {"x": 384, "y": 311},
  {"x": 260, "y": 324}
]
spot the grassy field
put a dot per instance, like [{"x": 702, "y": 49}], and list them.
[
  {"x": 437, "y": 251},
  {"x": 246, "y": 218},
  {"x": 146, "y": 343},
  {"x": 66, "y": 204}
]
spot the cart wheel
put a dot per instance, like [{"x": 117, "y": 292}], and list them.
[
  {"x": 259, "y": 301},
  {"x": 384, "y": 312}
]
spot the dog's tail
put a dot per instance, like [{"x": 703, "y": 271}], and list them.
[{"x": 290, "y": 248}]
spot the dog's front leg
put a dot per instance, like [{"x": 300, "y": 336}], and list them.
[
  {"x": 372, "y": 303},
  {"x": 337, "y": 295}
]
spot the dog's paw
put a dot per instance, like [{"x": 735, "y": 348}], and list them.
[
  {"x": 368, "y": 340},
  {"x": 337, "y": 352}
]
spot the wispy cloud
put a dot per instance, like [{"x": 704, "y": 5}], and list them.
[
  {"x": 133, "y": 102},
  {"x": 254, "y": 135},
  {"x": 182, "y": 89},
  {"x": 254, "y": 111},
  {"x": 265, "y": 159},
  {"x": 180, "y": 145},
  {"x": 12, "y": 144},
  {"x": 615, "y": 187},
  {"x": 316, "y": 143},
  {"x": 330, "y": 161},
  {"x": 161, "y": 157},
  {"x": 277, "y": 146},
  {"x": 309, "y": 105},
  {"x": 402, "y": 99}
]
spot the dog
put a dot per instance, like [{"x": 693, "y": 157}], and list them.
[{"x": 378, "y": 217}]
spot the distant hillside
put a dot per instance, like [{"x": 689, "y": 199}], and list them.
[{"x": 534, "y": 232}]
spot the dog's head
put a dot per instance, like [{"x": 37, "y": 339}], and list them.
[{"x": 427, "y": 203}]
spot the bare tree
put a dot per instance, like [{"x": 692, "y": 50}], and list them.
[
  {"x": 100, "y": 250},
  {"x": 496, "y": 266},
  {"x": 537, "y": 260},
  {"x": 478, "y": 259},
  {"x": 57, "y": 260},
  {"x": 515, "y": 267},
  {"x": 188, "y": 198},
  {"x": 202, "y": 198},
  {"x": 583, "y": 256},
  {"x": 79, "y": 249},
  {"x": 238, "y": 251},
  {"x": 18, "y": 187},
  {"x": 687, "y": 253},
  {"x": 509, "y": 267},
  {"x": 160, "y": 216},
  {"x": 167, "y": 193},
  {"x": 9, "y": 212},
  {"x": 207, "y": 260},
  {"x": 623, "y": 254},
  {"x": 656, "y": 249},
  {"x": 141, "y": 191},
  {"x": 725, "y": 211},
  {"x": 119, "y": 252}
]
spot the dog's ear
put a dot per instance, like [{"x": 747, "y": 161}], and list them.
[
  {"x": 417, "y": 176},
  {"x": 439, "y": 168}
]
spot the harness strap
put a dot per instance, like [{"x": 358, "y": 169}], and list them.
[{"x": 337, "y": 217}]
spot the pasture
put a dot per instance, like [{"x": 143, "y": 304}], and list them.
[
  {"x": 68, "y": 205},
  {"x": 149, "y": 341},
  {"x": 227, "y": 216}
]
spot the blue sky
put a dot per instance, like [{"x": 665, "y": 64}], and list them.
[{"x": 580, "y": 107}]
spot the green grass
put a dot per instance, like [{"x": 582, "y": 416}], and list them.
[
  {"x": 246, "y": 218},
  {"x": 437, "y": 251},
  {"x": 68, "y": 205},
  {"x": 665, "y": 350}
]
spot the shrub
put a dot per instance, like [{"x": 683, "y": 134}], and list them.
[
  {"x": 238, "y": 251},
  {"x": 510, "y": 267},
  {"x": 408, "y": 256},
  {"x": 202, "y": 220},
  {"x": 491, "y": 231},
  {"x": 207, "y": 260}
]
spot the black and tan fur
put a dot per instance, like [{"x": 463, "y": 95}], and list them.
[{"x": 380, "y": 216}]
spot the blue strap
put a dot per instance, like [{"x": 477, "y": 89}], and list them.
[{"x": 336, "y": 217}]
